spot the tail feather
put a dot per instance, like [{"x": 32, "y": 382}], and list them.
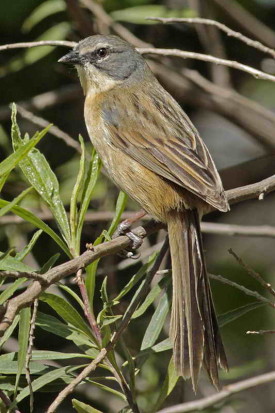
[{"x": 194, "y": 329}]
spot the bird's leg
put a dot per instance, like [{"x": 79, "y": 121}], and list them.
[{"x": 124, "y": 229}]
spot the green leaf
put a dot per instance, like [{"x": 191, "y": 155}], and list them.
[
  {"x": 72, "y": 294},
  {"x": 57, "y": 32},
  {"x": 37, "y": 222},
  {"x": 53, "y": 325},
  {"x": 135, "y": 279},
  {"x": 49, "y": 264},
  {"x": 81, "y": 407},
  {"x": 9, "y": 263},
  {"x": 23, "y": 341},
  {"x": 157, "y": 321},
  {"x": 44, "y": 10},
  {"x": 168, "y": 385},
  {"x": 44, "y": 380},
  {"x": 66, "y": 311},
  {"x": 11, "y": 161},
  {"x": 55, "y": 355},
  {"x": 162, "y": 346},
  {"x": 78, "y": 188},
  {"x": 8, "y": 366},
  {"x": 152, "y": 295},
  {"x": 139, "y": 14},
  {"x": 5, "y": 295},
  {"x": 15, "y": 201},
  {"x": 91, "y": 274},
  {"x": 9, "y": 330},
  {"x": 27, "y": 249},
  {"x": 232, "y": 315},
  {"x": 91, "y": 179},
  {"x": 120, "y": 206},
  {"x": 39, "y": 174}
]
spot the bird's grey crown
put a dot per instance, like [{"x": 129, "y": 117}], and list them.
[{"x": 121, "y": 61}]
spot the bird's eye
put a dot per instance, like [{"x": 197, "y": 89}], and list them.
[{"x": 102, "y": 52}]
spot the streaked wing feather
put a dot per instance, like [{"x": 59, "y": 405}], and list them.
[{"x": 163, "y": 139}]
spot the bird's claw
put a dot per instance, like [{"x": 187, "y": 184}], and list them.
[{"x": 124, "y": 229}]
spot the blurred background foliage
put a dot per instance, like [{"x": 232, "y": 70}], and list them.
[{"x": 241, "y": 155}]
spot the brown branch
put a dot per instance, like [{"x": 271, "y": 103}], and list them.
[
  {"x": 253, "y": 273},
  {"x": 82, "y": 376},
  {"x": 197, "y": 20},
  {"x": 87, "y": 308},
  {"x": 23, "y": 274},
  {"x": 257, "y": 120},
  {"x": 257, "y": 190},
  {"x": 26, "y": 45},
  {"x": 238, "y": 230},
  {"x": 261, "y": 332},
  {"x": 207, "y": 58},
  {"x": 247, "y": 21},
  {"x": 245, "y": 290},
  {"x": 227, "y": 391},
  {"x": 37, "y": 120}
]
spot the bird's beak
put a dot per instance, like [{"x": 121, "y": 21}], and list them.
[{"x": 71, "y": 58}]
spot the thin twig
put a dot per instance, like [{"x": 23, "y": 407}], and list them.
[
  {"x": 6, "y": 401},
  {"x": 29, "y": 353},
  {"x": 245, "y": 290},
  {"x": 253, "y": 273},
  {"x": 207, "y": 58},
  {"x": 23, "y": 274},
  {"x": 82, "y": 376},
  {"x": 26, "y": 45},
  {"x": 247, "y": 21},
  {"x": 261, "y": 332},
  {"x": 38, "y": 120},
  {"x": 238, "y": 230},
  {"x": 87, "y": 308},
  {"x": 227, "y": 391},
  {"x": 257, "y": 120},
  {"x": 257, "y": 190},
  {"x": 197, "y": 20}
]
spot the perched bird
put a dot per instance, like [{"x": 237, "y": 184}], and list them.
[{"x": 153, "y": 152}]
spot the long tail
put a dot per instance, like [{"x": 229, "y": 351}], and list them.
[{"x": 194, "y": 329}]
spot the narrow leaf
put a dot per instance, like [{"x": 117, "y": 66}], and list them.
[
  {"x": 23, "y": 340},
  {"x": 37, "y": 222},
  {"x": 78, "y": 188},
  {"x": 157, "y": 321},
  {"x": 66, "y": 311},
  {"x": 120, "y": 206},
  {"x": 89, "y": 185},
  {"x": 27, "y": 249},
  {"x": 39, "y": 174},
  {"x": 168, "y": 385},
  {"x": 53, "y": 325},
  {"x": 14, "y": 202},
  {"x": 232, "y": 315},
  {"x": 46, "y": 9},
  {"x": 81, "y": 407}
]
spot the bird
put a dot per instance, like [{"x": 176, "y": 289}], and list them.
[{"x": 152, "y": 151}]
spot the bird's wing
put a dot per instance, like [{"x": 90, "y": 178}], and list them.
[{"x": 162, "y": 138}]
